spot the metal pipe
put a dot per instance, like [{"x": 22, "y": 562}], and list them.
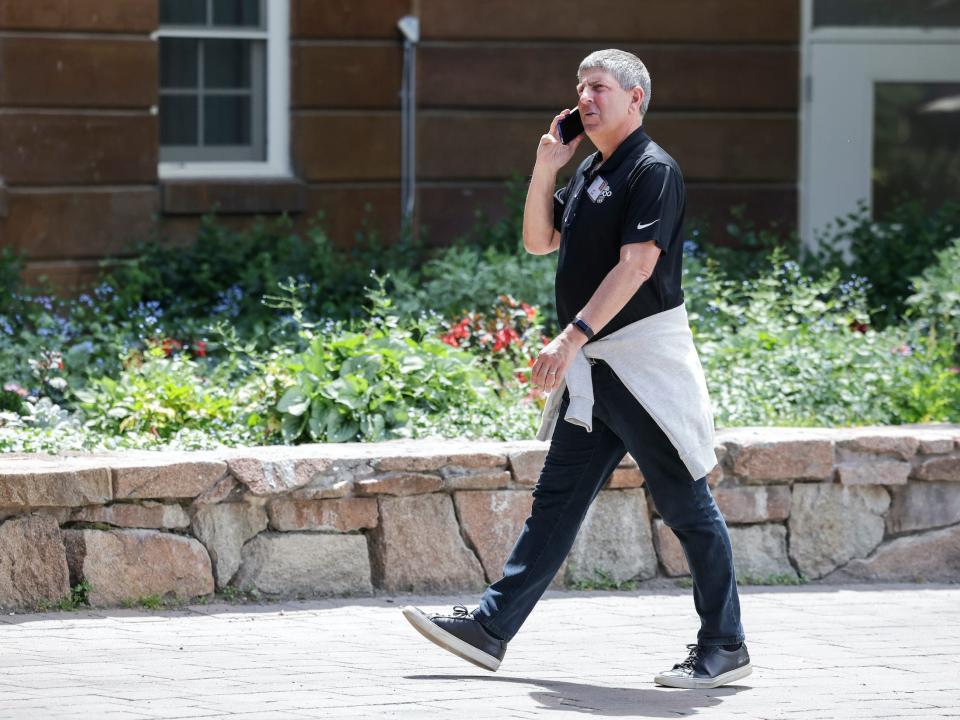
[{"x": 409, "y": 26}]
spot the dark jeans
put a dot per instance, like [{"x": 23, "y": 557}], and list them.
[{"x": 578, "y": 464}]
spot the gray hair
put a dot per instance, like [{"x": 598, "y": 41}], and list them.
[{"x": 626, "y": 68}]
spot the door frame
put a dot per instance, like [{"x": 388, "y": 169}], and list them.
[{"x": 838, "y": 69}]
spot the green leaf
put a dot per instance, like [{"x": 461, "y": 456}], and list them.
[
  {"x": 344, "y": 433},
  {"x": 292, "y": 427},
  {"x": 411, "y": 363},
  {"x": 293, "y": 402}
]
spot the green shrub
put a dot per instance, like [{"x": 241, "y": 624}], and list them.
[
  {"x": 158, "y": 395},
  {"x": 12, "y": 263},
  {"x": 391, "y": 380},
  {"x": 934, "y": 306},
  {"x": 786, "y": 349},
  {"x": 749, "y": 253},
  {"x": 226, "y": 272},
  {"x": 463, "y": 279},
  {"x": 889, "y": 251},
  {"x": 504, "y": 235}
]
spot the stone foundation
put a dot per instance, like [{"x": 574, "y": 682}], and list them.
[{"x": 825, "y": 505}]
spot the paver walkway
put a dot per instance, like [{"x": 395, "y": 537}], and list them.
[{"x": 818, "y": 651}]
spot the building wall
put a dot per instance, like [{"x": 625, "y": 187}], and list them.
[
  {"x": 78, "y": 144},
  {"x": 491, "y": 76}
]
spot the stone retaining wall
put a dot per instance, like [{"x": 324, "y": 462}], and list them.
[{"x": 858, "y": 504}]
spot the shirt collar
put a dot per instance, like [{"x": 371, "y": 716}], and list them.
[{"x": 638, "y": 138}]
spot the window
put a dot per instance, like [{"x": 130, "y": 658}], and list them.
[
  {"x": 886, "y": 13},
  {"x": 224, "y": 88},
  {"x": 916, "y": 143}
]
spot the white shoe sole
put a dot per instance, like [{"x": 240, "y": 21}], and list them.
[
  {"x": 437, "y": 635},
  {"x": 691, "y": 683}
]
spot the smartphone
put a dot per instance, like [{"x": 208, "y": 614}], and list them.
[{"x": 570, "y": 127}]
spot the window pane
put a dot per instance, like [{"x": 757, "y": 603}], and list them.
[
  {"x": 178, "y": 63},
  {"x": 183, "y": 12},
  {"x": 236, "y": 12},
  {"x": 226, "y": 63},
  {"x": 178, "y": 119},
  {"x": 226, "y": 120},
  {"x": 885, "y": 13},
  {"x": 916, "y": 148}
]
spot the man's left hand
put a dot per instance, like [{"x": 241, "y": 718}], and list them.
[{"x": 555, "y": 358}]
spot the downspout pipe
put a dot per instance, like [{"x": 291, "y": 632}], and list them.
[{"x": 409, "y": 26}]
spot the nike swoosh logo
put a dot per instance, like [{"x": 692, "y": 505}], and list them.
[{"x": 641, "y": 226}]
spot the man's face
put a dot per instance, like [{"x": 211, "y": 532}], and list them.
[{"x": 602, "y": 102}]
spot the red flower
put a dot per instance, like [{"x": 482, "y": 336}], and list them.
[
  {"x": 859, "y": 326},
  {"x": 530, "y": 311},
  {"x": 504, "y": 337},
  {"x": 169, "y": 345},
  {"x": 520, "y": 376},
  {"x": 200, "y": 348}
]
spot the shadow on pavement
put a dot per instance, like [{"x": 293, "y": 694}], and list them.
[{"x": 601, "y": 700}]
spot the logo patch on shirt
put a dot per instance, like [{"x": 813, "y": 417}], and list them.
[
  {"x": 641, "y": 226},
  {"x": 599, "y": 190}
]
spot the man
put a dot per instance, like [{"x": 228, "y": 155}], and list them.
[{"x": 629, "y": 374}]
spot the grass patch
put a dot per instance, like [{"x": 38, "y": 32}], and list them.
[
  {"x": 771, "y": 580},
  {"x": 231, "y": 593},
  {"x": 602, "y": 580}
]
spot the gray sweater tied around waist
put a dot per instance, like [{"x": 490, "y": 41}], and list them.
[{"x": 656, "y": 360}]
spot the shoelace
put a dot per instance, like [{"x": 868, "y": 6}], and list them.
[
  {"x": 460, "y": 610},
  {"x": 692, "y": 658}
]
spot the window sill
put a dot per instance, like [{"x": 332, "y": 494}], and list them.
[{"x": 233, "y": 197}]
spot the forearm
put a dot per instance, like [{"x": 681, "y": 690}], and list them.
[
  {"x": 620, "y": 284},
  {"x": 538, "y": 211}
]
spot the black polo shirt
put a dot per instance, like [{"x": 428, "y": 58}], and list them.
[{"x": 636, "y": 195}]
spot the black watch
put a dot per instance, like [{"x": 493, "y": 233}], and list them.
[{"x": 584, "y": 327}]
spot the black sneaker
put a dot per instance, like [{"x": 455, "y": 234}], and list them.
[
  {"x": 707, "y": 667},
  {"x": 459, "y": 633}
]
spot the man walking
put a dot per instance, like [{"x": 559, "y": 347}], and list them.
[{"x": 623, "y": 375}]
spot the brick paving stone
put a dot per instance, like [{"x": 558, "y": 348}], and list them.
[{"x": 837, "y": 651}]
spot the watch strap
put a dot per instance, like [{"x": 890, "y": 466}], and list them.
[{"x": 587, "y": 330}]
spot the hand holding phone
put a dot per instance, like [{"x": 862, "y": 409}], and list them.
[
  {"x": 554, "y": 153},
  {"x": 570, "y": 127}
]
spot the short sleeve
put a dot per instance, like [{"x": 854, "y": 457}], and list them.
[
  {"x": 655, "y": 200},
  {"x": 559, "y": 204}
]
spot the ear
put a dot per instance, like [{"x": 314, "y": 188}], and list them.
[{"x": 636, "y": 102}]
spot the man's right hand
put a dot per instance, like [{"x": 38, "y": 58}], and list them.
[{"x": 553, "y": 154}]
